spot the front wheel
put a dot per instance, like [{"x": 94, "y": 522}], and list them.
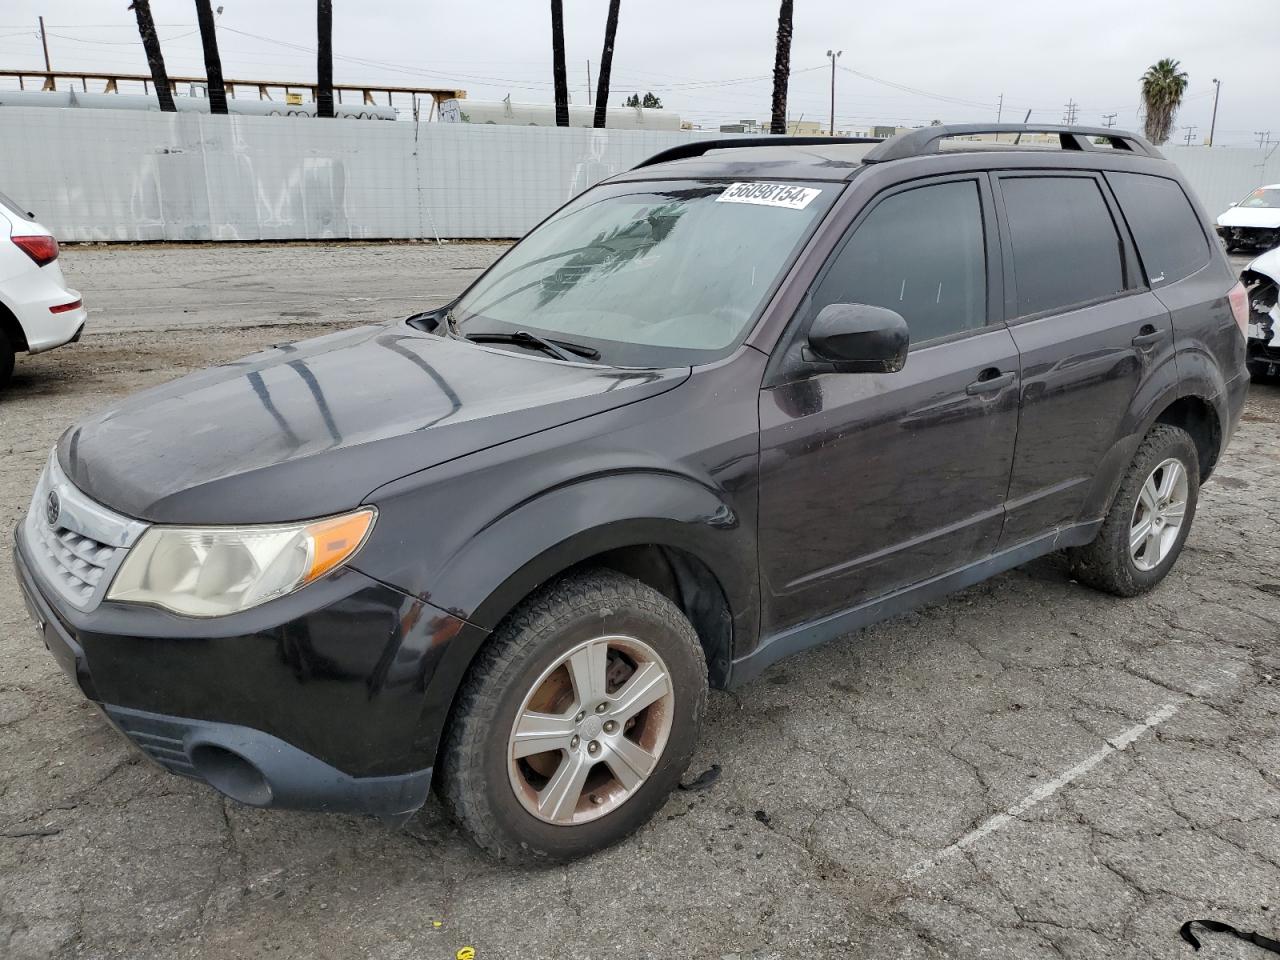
[
  {"x": 576, "y": 720},
  {"x": 1149, "y": 519}
]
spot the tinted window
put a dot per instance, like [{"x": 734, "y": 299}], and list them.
[
  {"x": 1164, "y": 224},
  {"x": 920, "y": 253},
  {"x": 1065, "y": 246}
]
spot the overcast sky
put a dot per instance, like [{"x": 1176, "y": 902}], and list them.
[{"x": 709, "y": 60}]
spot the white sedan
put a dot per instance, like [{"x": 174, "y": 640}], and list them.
[
  {"x": 1254, "y": 221},
  {"x": 38, "y": 311}
]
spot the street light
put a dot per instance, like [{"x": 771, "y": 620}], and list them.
[{"x": 834, "y": 55}]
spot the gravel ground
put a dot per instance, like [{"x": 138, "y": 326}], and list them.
[{"x": 1028, "y": 769}]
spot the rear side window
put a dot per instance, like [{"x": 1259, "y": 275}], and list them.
[
  {"x": 1170, "y": 239},
  {"x": 921, "y": 253},
  {"x": 1066, "y": 249}
]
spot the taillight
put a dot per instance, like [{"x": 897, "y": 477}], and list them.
[
  {"x": 40, "y": 249},
  {"x": 1239, "y": 298}
]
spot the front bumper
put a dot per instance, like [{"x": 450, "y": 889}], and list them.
[
  {"x": 331, "y": 698},
  {"x": 1262, "y": 237}
]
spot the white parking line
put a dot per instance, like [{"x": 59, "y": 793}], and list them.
[{"x": 1045, "y": 790}]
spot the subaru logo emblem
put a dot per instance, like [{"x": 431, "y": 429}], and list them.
[{"x": 52, "y": 508}]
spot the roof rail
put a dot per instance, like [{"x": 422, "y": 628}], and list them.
[
  {"x": 916, "y": 143},
  {"x": 696, "y": 148}
]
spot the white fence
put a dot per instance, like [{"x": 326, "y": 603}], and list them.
[{"x": 123, "y": 175}]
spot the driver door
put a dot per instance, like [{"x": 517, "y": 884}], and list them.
[{"x": 871, "y": 482}]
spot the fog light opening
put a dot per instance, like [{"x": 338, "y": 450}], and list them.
[{"x": 231, "y": 774}]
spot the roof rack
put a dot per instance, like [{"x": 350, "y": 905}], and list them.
[
  {"x": 926, "y": 140},
  {"x": 696, "y": 148}
]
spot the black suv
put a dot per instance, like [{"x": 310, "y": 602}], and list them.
[{"x": 743, "y": 399}]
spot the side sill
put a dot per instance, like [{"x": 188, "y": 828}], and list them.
[{"x": 780, "y": 645}]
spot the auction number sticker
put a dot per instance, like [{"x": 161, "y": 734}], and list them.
[{"x": 769, "y": 195}]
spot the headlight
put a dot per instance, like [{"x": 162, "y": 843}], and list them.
[{"x": 213, "y": 571}]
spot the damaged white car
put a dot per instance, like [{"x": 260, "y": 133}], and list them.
[
  {"x": 1254, "y": 222},
  {"x": 1262, "y": 280}
]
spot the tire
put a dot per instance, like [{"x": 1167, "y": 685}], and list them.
[
  {"x": 494, "y": 796},
  {"x": 1108, "y": 563},
  {"x": 6, "y": 360}
]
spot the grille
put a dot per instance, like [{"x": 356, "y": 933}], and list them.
[
  {"x": 161, "y": 740},
  {"x": 77, "y": 561},
  {"x": 77, "y": 553}
]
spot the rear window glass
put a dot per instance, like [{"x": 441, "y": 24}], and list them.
[
  {"x": 1065, "y": 246},
  {"x": 1170, "y": 239},
  {"x": 16, "y": 209}
]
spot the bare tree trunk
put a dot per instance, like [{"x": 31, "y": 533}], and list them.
[
  {"x": 155, "y": 59},
  {"x": 212, "y": 61},
  {"x": 557, "y": 67},
  {"x": 324, "y": 58},
  {"x": 606, "y": 62},
  {"x": 781, "y": 70}
]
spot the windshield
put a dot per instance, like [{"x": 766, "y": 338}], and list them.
[
  {"x": 649, "y": 274},
  {"x": 1262, "y": 197}
]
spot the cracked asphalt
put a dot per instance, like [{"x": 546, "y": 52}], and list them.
[{"x": 1028, "y": 769}]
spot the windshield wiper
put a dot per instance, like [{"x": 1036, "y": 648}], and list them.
[{"x": 560, "y": 349}]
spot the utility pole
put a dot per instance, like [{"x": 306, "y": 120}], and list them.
[
  {"x": 44, "y": 42},
  {"x": 1217, "y": 89},
  {"x": 1069, "y": 116},
  {"x": 1264, "y": 137},
  {"x": 1108, "y": 120},
  {"x": 1191, "y": 132},
  {"x": 834, "y": 55},
  {"x": 1000, "y": 108},
  {"x": 588, "y": 83}
]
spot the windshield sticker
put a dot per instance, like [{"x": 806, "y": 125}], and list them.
[{"x": 769, "y": 195}]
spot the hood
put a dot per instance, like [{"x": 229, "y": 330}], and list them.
[
  {"x": 1250, "y": 217},
  {"x": 1268, "y": 264},
  {"x": 309, "y": 429}
]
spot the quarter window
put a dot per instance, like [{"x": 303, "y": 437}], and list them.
[
  {"x": 1164, "y": 224},
  {"x": 921, "y": 253},
  {"x": 1066, "y": 249}
]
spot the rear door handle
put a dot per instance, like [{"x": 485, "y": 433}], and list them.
[
  {"x": 990, "y": 380},
  {"x": 1147, "y": 336}
]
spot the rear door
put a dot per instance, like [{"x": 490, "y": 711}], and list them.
[{"x": 1090, "y": 335}]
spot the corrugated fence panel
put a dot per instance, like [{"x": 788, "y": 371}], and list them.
[
  {"x": 126, "y": 175},
  {"x": 132, "y": 175},
  {"x": 1225, "y": 175}
]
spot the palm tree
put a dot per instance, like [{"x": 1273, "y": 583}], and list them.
[
  {"x": 155, "y": 59},
  {"x": 1162, "y": 88},
  {"x": 606, "y": 62},
  {"x": 781, "y": 69},
  {"x": 557, "y": 66},
  {"x": 212, "y": 62},
  {"x": 324, "y": 58}
]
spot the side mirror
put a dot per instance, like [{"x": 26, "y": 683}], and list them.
[{"x": 858, "y": 338}]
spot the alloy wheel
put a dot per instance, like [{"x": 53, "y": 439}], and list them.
[
  {"x": 1158, "y": 514},
  {"x": 591, "y": 730}
]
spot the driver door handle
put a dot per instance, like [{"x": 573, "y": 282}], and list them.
[
  {"x": 1147, "y": 336},
  {"x": 990, "y": 380}
]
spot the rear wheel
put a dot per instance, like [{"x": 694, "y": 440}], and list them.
[
  {"x": 1149, "y": 519},
  {"x": 6, "y": 359},
  {"x": 576, "y": 720}
]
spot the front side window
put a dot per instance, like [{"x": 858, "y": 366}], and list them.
[
  {"x": 1066, "y": 249},
  {"x": 1164, "y": 224},
  {"x": 1262, "y": 197},
  {"x": 921, "y": 253},
  {"x": 649, "y": 273}
]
